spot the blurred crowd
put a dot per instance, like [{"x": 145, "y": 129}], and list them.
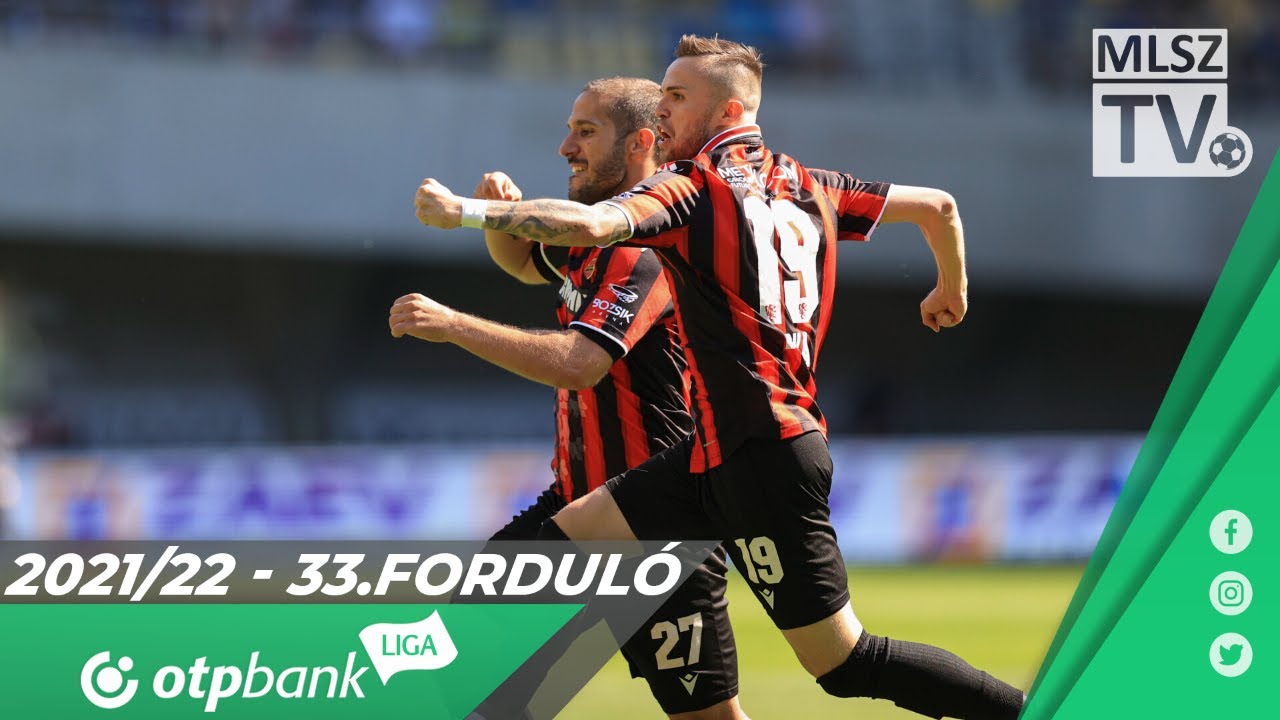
[
  {"x": 120, "y": 383},
  {"x": 24, "y": 418},
  {"x": 906, "y": 45}
]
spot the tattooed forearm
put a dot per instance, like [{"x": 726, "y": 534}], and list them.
[
  {"x": 558, "y": 222},
  {"x": 540, "y": 220}
]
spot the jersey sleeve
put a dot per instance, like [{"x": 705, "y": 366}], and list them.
[
  {"x": 631, "y": 297},
  {"x": 663, "y": 202},
  {"x": 859, "y": 204},
  {"x": 551, "y": 261}
]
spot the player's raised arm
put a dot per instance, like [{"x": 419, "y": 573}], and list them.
[
  {"x": 935, "y": 213},
  {"x": 559, "y": 358},
  {"x": 554, "y": 222},
  {"x": 511, "y": 253}
]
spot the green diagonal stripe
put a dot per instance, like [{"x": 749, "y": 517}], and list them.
[
  {"x": 1164, "y": 639},
  {"x": 1255, "y": 254},
  {"x": 1249, "y": 375}
]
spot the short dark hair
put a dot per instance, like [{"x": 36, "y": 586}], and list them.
[
  {"x": 631, "y": 103},
  {"x": 738, "y": 69}
]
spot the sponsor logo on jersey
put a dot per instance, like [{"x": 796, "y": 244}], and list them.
[
  {"x": 571, "y": 296},
  {"x": 785, "y": 173},
  {"x": 624, "y": 294},
  {"x": 614, "y": 310},
  {"x": 735, "y": 176}
]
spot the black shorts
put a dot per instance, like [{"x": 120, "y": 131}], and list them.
[
  {"x": 686, "y": 651},
  {"x": 767, "y": 502}
]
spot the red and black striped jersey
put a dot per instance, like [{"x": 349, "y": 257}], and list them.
[
  {"x": 748, "y": 239},
  {"x": 618, "y": 298}
]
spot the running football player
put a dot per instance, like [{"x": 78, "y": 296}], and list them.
[
  {"x": 748, "y": 238},
  {"x": 619, "y": 374}
]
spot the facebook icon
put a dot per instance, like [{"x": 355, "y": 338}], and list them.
[{"x": 1231, "y": 531}]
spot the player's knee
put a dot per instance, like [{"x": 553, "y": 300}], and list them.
[
  {"x": 549, "y": 530},
  {"x": 858, "y": 675},
  {"x": 594, "y": 516},
  {"x": 824, "y": 645}
]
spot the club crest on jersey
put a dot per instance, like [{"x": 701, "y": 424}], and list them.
[
  {"x": 589, "y": 269},
  {"x": 624, "y": 294}
]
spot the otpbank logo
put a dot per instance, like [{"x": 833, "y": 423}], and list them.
[
  {"x": 424, "y": 645},
  {"x": 106, "y": 684}
]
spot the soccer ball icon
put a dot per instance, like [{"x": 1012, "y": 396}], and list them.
[{"x": 1227, "y": 151}]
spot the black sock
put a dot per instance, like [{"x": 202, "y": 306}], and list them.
[{"x": 923, "y": 679}]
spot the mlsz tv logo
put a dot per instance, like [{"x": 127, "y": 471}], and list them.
[{"x": 1160, "y": 105}]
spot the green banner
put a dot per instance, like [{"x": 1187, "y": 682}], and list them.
[
  {"x": 265, "y": 661},
  {"x": 1165, "y": 601}
]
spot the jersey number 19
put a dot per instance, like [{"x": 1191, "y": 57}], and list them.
[{"x": 796, "y": 251}]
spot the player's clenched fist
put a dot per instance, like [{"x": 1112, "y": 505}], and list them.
[
  {"x": 943, "y": 309},
  {"x": 421, "y": 317},
  {"x": 436, "y": 206},
  {"x": 498, "y": 186}
]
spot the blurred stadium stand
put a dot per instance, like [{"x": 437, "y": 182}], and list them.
[
  {"x": 143, "y": 346},
  {"x": 204, "y": 215},
  {"x": 906, "y": 45}
]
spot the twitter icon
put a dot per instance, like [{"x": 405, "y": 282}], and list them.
[{"x": 1230, "y": 654}]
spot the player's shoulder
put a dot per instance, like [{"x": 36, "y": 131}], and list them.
[
  {"x": 663, "y": 174},
  {"x": 793, "y": 166},
  {"x": 825, "y": 178}
]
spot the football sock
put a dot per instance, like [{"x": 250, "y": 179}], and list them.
[
  {"x": 551, "y": 531},
  {"x": 923, "y": 679}
]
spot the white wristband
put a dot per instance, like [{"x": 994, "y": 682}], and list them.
[{"x": 473, "y": 211}]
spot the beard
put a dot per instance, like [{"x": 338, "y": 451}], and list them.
[
  {"x": 601, "y": 180},
  {"x": 687, "y": 146}
]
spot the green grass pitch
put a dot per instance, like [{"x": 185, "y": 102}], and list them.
[{"x": 998, "y": 618}]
